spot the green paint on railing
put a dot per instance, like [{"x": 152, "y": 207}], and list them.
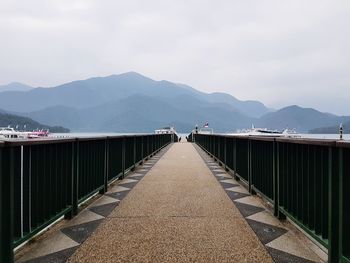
[
  {"x": 306, "y": 180},
  {"x": 41, "y": 181}
]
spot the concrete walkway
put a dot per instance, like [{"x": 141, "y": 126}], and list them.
[{"x": 178, "y": 212}]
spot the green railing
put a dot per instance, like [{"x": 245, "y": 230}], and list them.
[
  {"x": 304, "y": 179},
  {"x": 43, "y": 180}
]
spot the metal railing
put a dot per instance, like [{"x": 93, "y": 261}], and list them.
[
  {"x": 43, "y": 180},
  {"x": 304, "y": 179}
]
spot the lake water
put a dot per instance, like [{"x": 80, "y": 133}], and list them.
[
  {"x": 326, "y": 136},
  {"x": 183, "y": 135}
]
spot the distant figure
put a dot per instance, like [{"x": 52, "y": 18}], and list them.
[{"x": 180, "y": 139}]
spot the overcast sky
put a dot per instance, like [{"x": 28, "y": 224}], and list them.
[{"x": 280, "y": 52}]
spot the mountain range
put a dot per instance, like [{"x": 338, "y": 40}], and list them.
[
  {"x": 24, "y": 123},
  {"x": 131, "y": 102},
  {"x": 15, "y": 86},
  {"x": 332, "y": 129}
]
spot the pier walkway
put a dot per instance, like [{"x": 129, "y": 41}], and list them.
[{"x": 180, "y": 206}]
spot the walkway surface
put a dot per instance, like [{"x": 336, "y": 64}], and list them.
[
  {"x": 180, "y": 206},
  {"x": 177, "y": 213}
]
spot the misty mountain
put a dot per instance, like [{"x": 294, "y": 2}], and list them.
[
  {"x": 302, "y": 119},
  {"x": 143, "y": 114},
  {"x": 249, "y": 108},
  {"x": 131, "y": 102},
  {"x": 15, "y": 86},
  {"x": 97, "y": 91},
  {"x": 332, "y": 129},
  {"x": 24, "y": 123}
]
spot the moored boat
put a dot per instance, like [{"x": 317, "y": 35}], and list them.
[
  {"x": 169, "y": 130},
  {"x": 203, "y": 130},
  {"x": 11, "y": 133},
  {"x": 268, "y": 133}
]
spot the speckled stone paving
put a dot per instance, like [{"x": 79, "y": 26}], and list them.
[{"x": 178, "y": 213}]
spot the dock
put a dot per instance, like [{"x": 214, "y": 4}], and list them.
[
  {"x": 174, "y": 202},
  {"x": 180, "y": 206}
]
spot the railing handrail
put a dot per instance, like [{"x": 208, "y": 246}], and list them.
[
  {"x": 312, "y": 141},
  {"x": 343, "y": 144},
  {"x": 48, "y": 140}
]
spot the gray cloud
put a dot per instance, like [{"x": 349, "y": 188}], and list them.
[{"x": 279, "y": 52}]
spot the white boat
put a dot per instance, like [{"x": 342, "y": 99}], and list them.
[
  {"x": 168, "y": 130},
  {"x": 203, "y": 130},
  {"x": 165, "y": 130},
  {"x": 206, "y": 130},
  {"x": 268, "y": 133},
  {"x": 11, "y": 133}
]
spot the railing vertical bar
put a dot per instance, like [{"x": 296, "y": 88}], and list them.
[
  {"x": 75, "y": 176},
  {"x": 6, "y": 204},
  {"x": 21, "y": 191},
  {"x": 134, "y": 156},
  {"x": 340, "y": 200},
  {"x": 235, "y": 158},
  {"x": 123, "y": 158},
  {"x": 333, "y": 227},
  {"x": 250, "y": 166},
  {"x": 225, "y": 153},
  {"x": 274, "y": 178},
  {"x": 30, "y": 190}
]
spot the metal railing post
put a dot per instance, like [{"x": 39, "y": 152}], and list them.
[
  {"x": 225, "y": 153},
  {"x": 235, "y": 159},
  {"x": 134, "y": 156},
  {"x": 274, "y": 176},
  {"x": 6, "y": 204},
  {"x": 279, "y": 214},
  {"x": 250, "y": 166},
  {"x": 147, "y": 147},
  {"x": 74, "y": 180},
  {"x": 340, "y": 202},
  {"x": 217, "y": 139},
  {"x": 142, "y": 153},
  {"x": 334, "y": 170},
  {"x": 105, "y": 168},
  {"x": 123, "y": 158}
]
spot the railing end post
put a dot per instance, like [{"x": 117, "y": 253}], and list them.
[
  {"x": 6, "y": 204},
  {"x": 335, "y": 174},
  {"x": 74, "y": 180}
]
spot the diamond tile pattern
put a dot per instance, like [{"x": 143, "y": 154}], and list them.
[
  {"x": 130, "y": 185},
  {"x": 227, "y": 185},
  {"x": 79, "y": 233},
  {"x": 266, "y": 233},
  {"x": 235, "y": 195},
  {"x": 283, "y": 257},
  {"x": 118, "y": 195},
  {"x": 248, "y": 210},
  {"x": 57, "y": 257},
  {"x": 104, "y": 210}
]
